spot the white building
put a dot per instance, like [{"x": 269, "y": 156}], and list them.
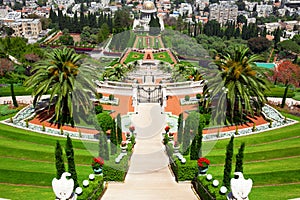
[
  {"x": 223, "y": 12},
  {"x": 28, "y": 28},
  {"x": 264, "y": 10}
]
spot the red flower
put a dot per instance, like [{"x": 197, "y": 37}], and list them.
[
  {"x": 132, "y": 128},
  {"x": 97, "y": 162},
  {"x": 203, "y": 162},
  {"x": 171, "y": 134},
  {"x": 167, "y": 128}
]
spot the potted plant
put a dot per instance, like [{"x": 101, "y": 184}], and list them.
[
  {"x": 203, "y": 164},
  {"x": 171, "y": 136},
  {"x": 176, "y": 147},
  {"x": 131, "y": 129},
  {"x": 97, "y": 164},
  {"x": 123, "y": 146},
  {"x": 128, "y": 135},
  {"x": 167, "y": 128}
]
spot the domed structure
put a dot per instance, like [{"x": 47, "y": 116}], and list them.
[
  {"x": 148, "y": 10},
  {"x": 148, "y": 5}
]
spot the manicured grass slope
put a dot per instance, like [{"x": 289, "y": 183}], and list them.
[
  {"x": 271, "y": 160},
  {"x": 27, "y": 162}
]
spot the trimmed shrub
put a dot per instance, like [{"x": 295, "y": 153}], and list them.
[
  {"x": 186, "y": 171},
  {"x": 202, "y": 185},
  {"x": 94, "y": 190},
  {"x": 111, "y": 97},
  {"x": 198, "y": 96},
  {"x": 98, "y": 109},
  {"x": 187, "y": 98},
  {"x": 115, "y": 172}
]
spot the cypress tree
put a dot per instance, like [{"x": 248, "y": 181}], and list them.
[
  {"x": 119, "y": 129},
  {"x": 194, "y": 148},
  {"x": 228, "y": 163},
  {"x": 200, "y": 136},
  {"x": 103, "y": 147},
  {"x": 180, "y": 128},
  {"x": 71, "y": 163},
  {"x": 239, "y": 159},
  {"x": 59, "y": 161},
  {"x": 186, "y": 139},
  {"x": 113, "y": 139}
]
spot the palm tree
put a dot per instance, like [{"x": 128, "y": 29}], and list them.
[
  {"x": 195, "y": 74},
  {"x": 182, "y": 70},
  {"x": 64, "y": 77},
  {"x": 116, "y": 72},
  {"x": 238, "y": 84}
]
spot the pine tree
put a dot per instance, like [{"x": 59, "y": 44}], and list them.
[
  {"x": 119, "y": 129},
  {"x": 180, "y": 128},
  {"x": 59, "y": 161},
  {"x": 71, "y": 163},
  {"x": 239, "y": 159},
  {"x": 113, "y": 139},
  {"x": 228, "y": 163}
]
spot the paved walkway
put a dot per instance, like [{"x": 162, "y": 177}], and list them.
[{"x": 149, "y": 176}]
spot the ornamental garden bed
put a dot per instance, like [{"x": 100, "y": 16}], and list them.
[{"x": 163, "y": 56}]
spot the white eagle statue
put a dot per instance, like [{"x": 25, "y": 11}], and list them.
[
  {"x": 63, "y": 188},
  {"x": 240, "y": 187}
]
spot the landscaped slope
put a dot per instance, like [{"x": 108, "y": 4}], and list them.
[
  {"x": 27, "y": 164},
  {"x": 272, "y": 161}
]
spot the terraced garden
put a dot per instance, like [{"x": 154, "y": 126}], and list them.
[
  {"x": 271, "y": 160},
  {"x": 163, "y": 56}
]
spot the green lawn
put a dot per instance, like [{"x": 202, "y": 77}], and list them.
[
  {"x": 133, "y": 56},
  {"x": 271, "y": 160},
  {"x": 18, "y": 89},
  {"x": 27, "y": 163},
  {"x": 163, "y": 56}
]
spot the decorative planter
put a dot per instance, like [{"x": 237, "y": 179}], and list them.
[
  {"x": 202, "y": 170},
  {"x": 124, "y": 149},
  {"x": 97, "y": 170},
  {"x": 176, "y": 149}
]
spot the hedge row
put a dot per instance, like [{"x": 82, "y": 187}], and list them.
[
  {"x": 182, "y": 172},
  {"x": 206, "y": 190},
  {"x": 94, "y": 190},
  {"x": 116, "y": 172}
]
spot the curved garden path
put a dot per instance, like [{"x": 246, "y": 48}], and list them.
[{"x": 149, "y": 176}]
